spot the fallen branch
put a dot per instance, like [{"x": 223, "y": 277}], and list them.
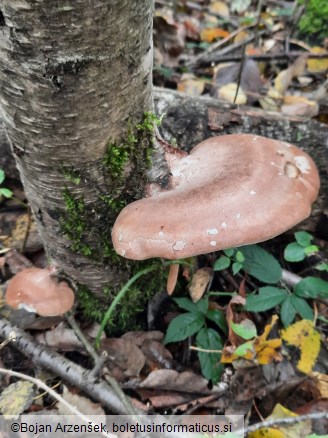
[
  {"x": 67, "y": 370},
  {"x": 217, "y": 59},
  {"x": 285, "y": 421}
]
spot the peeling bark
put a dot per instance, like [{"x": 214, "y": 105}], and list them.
[{"x": 74, "y": 77}]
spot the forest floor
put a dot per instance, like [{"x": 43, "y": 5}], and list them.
[{"x": 245, "y": 332}]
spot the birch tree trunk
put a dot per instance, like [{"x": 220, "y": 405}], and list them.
[{"x": 75, "y": 80}]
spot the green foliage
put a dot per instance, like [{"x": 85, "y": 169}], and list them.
[
  {"x": 264, "y": 267},
  {"x": 297, "y": 251},
  {"x": 194, "y": 322},
  {"x": 4, "y": 191},
  {"x": 314, "y": 19},
  {"x": 252, "y": 259}
]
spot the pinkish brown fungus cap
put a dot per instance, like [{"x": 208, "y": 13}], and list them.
[
  {"x": 230, "y": 191},
  {"x": 38, "y": 290}
]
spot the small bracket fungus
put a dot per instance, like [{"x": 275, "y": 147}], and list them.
[
  {"x": 229, "y": 191},
  {"x": 38, "y": 290}
]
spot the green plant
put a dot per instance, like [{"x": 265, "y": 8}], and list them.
[
  {"x": 258, "y": 263},
  {"x": 297, "y": 251},
  {"x": 314, "y": 18},
  {"x": 4, "y": 191},
  {"x": 208, "y": 340}
]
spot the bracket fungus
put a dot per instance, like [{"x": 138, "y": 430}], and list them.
[
  {"x": 38, "y": 290},
  {"x": 231, "y": 190}
]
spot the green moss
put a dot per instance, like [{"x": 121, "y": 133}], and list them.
[
  {"x": 74, "y": 222},
  {"x": 314, "y": 19},
  {"x": 88, "y": 229}
]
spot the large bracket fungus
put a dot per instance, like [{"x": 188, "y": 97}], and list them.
[{"x": 229, "y": 191}]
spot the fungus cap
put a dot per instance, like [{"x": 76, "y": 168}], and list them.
[
  {"x": 37, "y": 290},
  {"x": 229, "y": 191}
]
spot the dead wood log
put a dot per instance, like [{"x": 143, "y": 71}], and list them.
[{"x": 189, "y": 120}]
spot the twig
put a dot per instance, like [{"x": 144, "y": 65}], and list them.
[
  {"x": 267, "y": 57},
  {"x": 89, "y": 348},
  {"x": 284, "y": 421},
  {"x": 53, "y": 394},
  {"x": 214, "y": 47},
  {"x": 62, "y": 367},
  {"x": 290, "y": 278},
  {"x": 241, "y": 67},
  {"x": 203, "y": 350},
  {"x": 99, "y": 363}
]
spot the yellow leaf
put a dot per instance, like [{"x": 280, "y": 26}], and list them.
[
  {"x": 228, "y": 92},
  {"x": 317, "y": 65},
  {"x": 267, "y": 432},
  {"x": 190, "y": 85},
  {"x": 303, "y": 335},
  {"x": 220, "y": 8},
  {"x": 285, "y": 77},
  {"x": 296, "y": 430},
  {"x": 212, "y": 33},
  {"x": 16, "y": 398},
  {"x": 263, "y": 351}
]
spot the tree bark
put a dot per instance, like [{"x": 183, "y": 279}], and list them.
[{"x": 75, "y": 79}]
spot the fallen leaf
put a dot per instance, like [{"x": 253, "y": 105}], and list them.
[
  {"x": 125, "y": 359},
  {"x": 240, "y": 6},
  {"x": 172, "y": 278},
  {"x": 83, "y": 404},
  {"x": 249, "y": 77},
  {"x": 186, "y": 381},
  {"x": 301, "y": 429},
  {"x": 211, "y": 34},
  {"x": 229, "y": 93},
  {"x": 189, "y": 84},
  {"x": 241, "y": 36},
  {"x": 285, "y": 77},
  {"x": 220, "y": 8},
  {"x": 299, "y": 106},
  {"x": 199, "y": 283},
  {"x": 322, "y": 383},
  {"x": 16, "y": 398},
  {"x": 259, "y": 350},
  {"x": 317, "y": 65},
  {"x": 303, "y": 335}
]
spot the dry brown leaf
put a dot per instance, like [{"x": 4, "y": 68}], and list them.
[
  {"x": 299, "y": 106},
  {"x": 285, "y": 77},
  {"x": 219, "y": 8},
  {"x": 322, "y": 383},
  {"x": 186, "y": 381},
  {"x": 172, "y": 278},
  {"x": 125, "y": 359},
  {"x": 139, "y": 338},
  {"x": 249, "y": 77},
  {"x": 83, "y": 404},
  {"x": 199, "y": 283}
]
